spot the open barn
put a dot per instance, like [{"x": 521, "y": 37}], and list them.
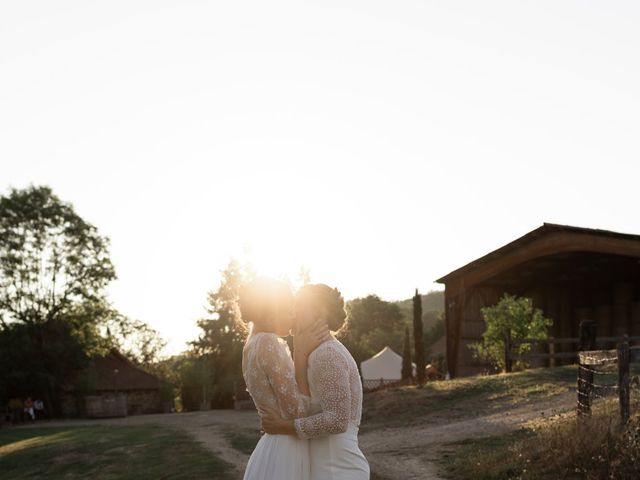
[{"x": 570, "y": 273}]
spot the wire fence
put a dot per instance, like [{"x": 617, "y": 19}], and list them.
[{"x": 606, "y": 374}]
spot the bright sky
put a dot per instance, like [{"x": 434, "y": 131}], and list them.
[{"x": 380, "y": 144}]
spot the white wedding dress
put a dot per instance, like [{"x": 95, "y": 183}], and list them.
[
  {"x": 269, "y": 373},
  {"x": 336, "y": 393}
]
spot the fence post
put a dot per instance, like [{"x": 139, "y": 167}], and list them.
[
  {"x": 585, "y": 380},
  {"x": 552, "y": 352},
  {"x": 507, "y": 352},
  {"x": 623, "y": 381},
  {"x": 585, "y": 375}
]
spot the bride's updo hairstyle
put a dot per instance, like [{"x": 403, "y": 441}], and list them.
[
  {"x": 326, "y": 299},
  {"x": 262, "y": 302}
]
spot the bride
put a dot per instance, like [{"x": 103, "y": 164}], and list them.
[
  {"x": 336, "y": 393},
  {"x": 269, "y": 373}
]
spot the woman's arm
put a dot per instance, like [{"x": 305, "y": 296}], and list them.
[
  {"x": 279, "y": 370},
  {"x": 330, "y": 375}
]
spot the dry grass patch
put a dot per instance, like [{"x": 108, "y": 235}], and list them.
[
  {"x": 561, "y": 447},
  {"x": 463, "y": 398}
]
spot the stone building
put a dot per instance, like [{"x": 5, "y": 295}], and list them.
[{"x": 116, "y": 387}]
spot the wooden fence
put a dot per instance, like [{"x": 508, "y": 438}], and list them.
[
  {"x": 595, "y": 364},
  {"x": 586, "y": 341}
]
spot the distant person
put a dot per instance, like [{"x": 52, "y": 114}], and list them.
[
  {"x": 38, "y": 406},
  {"x": 28, "y": 409}
]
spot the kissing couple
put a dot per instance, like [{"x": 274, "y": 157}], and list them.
[{"x": 310, "y": 404}]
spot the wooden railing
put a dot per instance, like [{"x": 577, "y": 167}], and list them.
[{"x": 586, "y": 341}]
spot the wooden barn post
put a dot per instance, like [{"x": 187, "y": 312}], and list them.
[
  {"x": 418, "y": 338},
  {"x": 623, "y": 381}
]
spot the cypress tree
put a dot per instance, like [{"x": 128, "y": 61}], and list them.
[
  {"x": 418, "y": 338},
  {"x": 407, "y": 369}
]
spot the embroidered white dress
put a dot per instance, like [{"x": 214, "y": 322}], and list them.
[
  {"x": 336, "y": 393},
  {"x": 269, "y": 373}
]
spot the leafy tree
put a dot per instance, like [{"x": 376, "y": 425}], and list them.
[
  {"x": 516, "y": 317},
  {"x": 304, "y": 275},
  {"x": 372, "y": 325},
  {"x": 53, "y": 270},
  {"x": 43, "y": 359},
  {"x": 135, "y": 339},
  {"x": 407, "y": 367},
  {"x": 418, "y": 338},
  {"x": 221, "y": 341},
  {"x": 50, "y": 258}
]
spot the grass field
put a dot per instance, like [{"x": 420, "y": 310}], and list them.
[
  {"x": 242, "y": 439},
  {"x": 105, "y": 452}
]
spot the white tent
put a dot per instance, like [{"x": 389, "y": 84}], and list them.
[{"x": 385, "y": 365}]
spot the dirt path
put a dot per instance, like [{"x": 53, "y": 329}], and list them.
[{"x": 416, "y": 451}]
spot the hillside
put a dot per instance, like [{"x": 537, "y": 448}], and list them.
[{"x": 432, "y": 301}]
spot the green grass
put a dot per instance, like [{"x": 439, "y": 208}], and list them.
[
  {"x": 106, "y": 452},
  {"x": 465, "y": 397},
  {"x": 244, "y": 439}
]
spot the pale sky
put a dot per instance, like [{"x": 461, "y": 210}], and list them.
[{"x": 380, "y": 144}]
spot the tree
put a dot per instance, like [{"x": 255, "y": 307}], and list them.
[
  {"x": 372, "y": 325},
  {"x": 50, "y": 258},
  {"x": 514, "y": 316},
  {"x": 220, "y": 343},
  {"x": 304, "y": 275},
  {"x": 407, "y": 367},
  {"x": 45, "y": 358},
  {"x": 418, "y": 337},
  {"x": 53, "y": 270},
  {"x": 135, "y": 339}
]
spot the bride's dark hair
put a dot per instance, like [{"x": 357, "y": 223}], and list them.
[{"x": 328, "y": 299}]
